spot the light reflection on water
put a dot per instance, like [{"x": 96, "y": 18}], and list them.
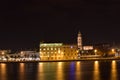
[
  {"x": 40, "y": 74},
  {"x": 3, "y": 71},
  {"x": 22, "y": 71},
  {"x": 114, "y": 70},
  {"x": 96, "y": 74},
  {"x": 79, "y": 70},
  {"x": 59, "y": 71}
]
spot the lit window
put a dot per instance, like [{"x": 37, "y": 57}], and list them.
[
  {"x": 44, "y": 49},
  {"x": 59, "y": 51},
  {"x": 55, "y": 49},
  {"x": 71, "y": 46},
  {"x": 51, "y": 48},
  {"x": 47, "y": 48}
]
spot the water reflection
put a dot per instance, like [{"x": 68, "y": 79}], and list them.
[
  {"x": 22, "y": 71},
  {"x": 22, "y": 67},
  {"x": 78, "y": 71},
  {"x": 41, "y": 72},
  {"x": 96, "y": 75},
  {"x": 3, "y": 71},
  {"x": 114, "y": 70},
  {"x": 60, "y": 71}
]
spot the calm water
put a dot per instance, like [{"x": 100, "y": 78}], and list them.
[{"x": 80, "y": 70}]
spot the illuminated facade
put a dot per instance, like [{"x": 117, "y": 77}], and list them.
[
  {"x": 57, "y": 51},
  {"x": 4, "y": 54},
  {"x": 87, "y": 47}
]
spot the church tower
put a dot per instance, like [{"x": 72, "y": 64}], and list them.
[{"x": 79, "y": 41}]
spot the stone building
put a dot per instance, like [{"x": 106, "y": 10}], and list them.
[{"x": 58, "y": 51}]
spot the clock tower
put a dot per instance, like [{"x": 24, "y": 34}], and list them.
[{"x": 79, "y": 41}]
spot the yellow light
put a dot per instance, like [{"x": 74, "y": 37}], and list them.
[
  {"x": 77, "y": 51},
  {"x": 3, "y": 53},
  {"x": 96, "y": 62},
  {"x": 95, "y": 50},
  {"x": 113, "y": 50}
]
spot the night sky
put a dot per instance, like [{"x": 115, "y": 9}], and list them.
[{"x": 24, "y": 23}]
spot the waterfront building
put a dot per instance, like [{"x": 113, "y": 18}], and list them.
[
  {"x": 25, "y": 56},
  {"x": 88, "y": 48},
  {"x": 58, "y": 51},
  {"x": 103, "y": 49},
  {"x": 4, "y": 54}
]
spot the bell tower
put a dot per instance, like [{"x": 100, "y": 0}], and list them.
[{"x": 79, "y": 41}]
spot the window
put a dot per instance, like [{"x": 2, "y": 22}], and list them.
[
  {"x": 47, "y": 48},
  {"x": 51, "y": 48},
  {"x": 55, "y": 49}
]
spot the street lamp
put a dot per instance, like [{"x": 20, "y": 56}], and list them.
[
  {"x": 113, "y": 50},
  {"x": 95, "y": 51}
]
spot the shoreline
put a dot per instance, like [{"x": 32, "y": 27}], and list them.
[{"x": 84, "y": 59}]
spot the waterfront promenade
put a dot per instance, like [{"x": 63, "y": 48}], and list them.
[{"x": 82, "y": 59}]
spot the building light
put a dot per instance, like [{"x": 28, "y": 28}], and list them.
[
  {"x": 51, "y": 48},
  {"x": 3, "y": 52},
  {"x": 71, "y": 46},
  {"x": 47, "y": 48},
  {"x": 55, "y": 49},
  {"x": 59, "y": 51},
  {"x": 113, "y": 50}
]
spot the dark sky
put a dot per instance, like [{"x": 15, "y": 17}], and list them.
[{"x": 24, "y": 23}]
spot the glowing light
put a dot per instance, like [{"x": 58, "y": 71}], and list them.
[
  {"x": 96, "y": 71},
  {"x": 88, "y": 47},
  {"x": 3, "y": 71},
  {"x": 22, "y": 69},
  {"x": 78, "y": 70},
  {"x": 55, "y": 49},
  {"x": 60, "y": 72},
  {"x": 22, "y": 65},
  {"x": 113, "y": 50},
  {"x": 3, "y": 52},
  {"x": 50, "y": 44},
  {"x": 51, "y": 48},
  {"x": 3, "y": 68},
  {"x": 95, "y": 50},
  {"x": 47, "y": 48},
  {"x": 71, "y": 46},
  {"x": 40, "y": 69},
  {"x": 113, "y": 70},
  {"x": 59, "y": 51}
]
